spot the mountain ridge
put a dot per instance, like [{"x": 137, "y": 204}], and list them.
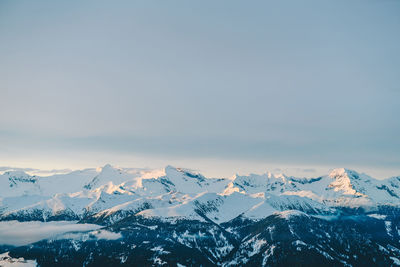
[{"x": 179, "y": 192}]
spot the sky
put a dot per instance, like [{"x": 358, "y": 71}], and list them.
[{"x": 217, "y": 86}]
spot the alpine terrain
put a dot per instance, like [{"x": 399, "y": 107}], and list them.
[{"x": 177, "y": 217}]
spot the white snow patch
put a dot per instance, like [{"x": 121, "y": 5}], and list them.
[
  {"x": 383, "y": 249},
  {"x": 377, "y": 216},
  {"x": 268, "y": 253},
  {"x": 388, "y": 225},
  {"x": 160, "y": 250},
  {"x": 395, "y": 260},
  {"x": 299, "y": 242}
]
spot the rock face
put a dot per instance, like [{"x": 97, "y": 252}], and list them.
[{"x": 178, "y": 217}]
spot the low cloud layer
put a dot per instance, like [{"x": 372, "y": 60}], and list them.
[{"x": 22, "y": 233}]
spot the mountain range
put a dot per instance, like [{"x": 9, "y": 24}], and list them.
[{"x": 178, "y": 217}]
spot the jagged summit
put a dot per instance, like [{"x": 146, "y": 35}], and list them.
[
  {"x": 350, "y": 174},
  {"x": 339, "y": 172},
  {"x": 107, "y": 167}
]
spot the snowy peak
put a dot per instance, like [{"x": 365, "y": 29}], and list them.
[
  {"x": 352, "y": 183},
  {"x": 351, "y": 175},
  {"x": 109, "y": 174},
  {"x": 16, "y": 183},
  {"x": 19, "y": 177},
  {"x": 187, "y": 181},
  {"x": 344, "y": 180},
  {"x": 255, "y": 183},
  {"x": 344, "y": 173},
  {"x": 107, "y": 168},
  {"x": 178, "y": 174}
]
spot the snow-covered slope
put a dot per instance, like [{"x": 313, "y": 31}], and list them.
[{"x": 111, "y": 193}]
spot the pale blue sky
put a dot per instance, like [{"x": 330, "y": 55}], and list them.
[{"x": 291, "y": 84}]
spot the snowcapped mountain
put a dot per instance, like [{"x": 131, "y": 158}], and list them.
[
  {"x": 181, "y": 193},
  {"x": 218, "y": 218}
]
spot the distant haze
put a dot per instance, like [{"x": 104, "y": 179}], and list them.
[{"x": 220, "y": 86}]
